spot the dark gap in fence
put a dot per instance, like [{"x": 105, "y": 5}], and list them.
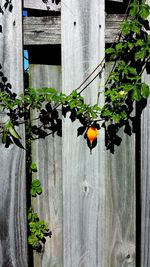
[
  {"x": 28, "y": 162},
  {"x": 139, "y": 108},
  {"x": 112, "y": 7},
  {"x": 42, "y": 13},
  {"x": 45, "y": 54}
]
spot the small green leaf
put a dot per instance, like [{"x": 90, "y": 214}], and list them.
[
  {"x": 4, "y": 137},
  {"x": 139, "y": 42},
  {"x": 36, "y": 183},
  {"x": 140, "y": 55},
  {"x": 132, "y": 70},
  {"x": 33, "y": 167},
  {"x": 10, "y": 128},
  {"x": 145, "y": 90},
  {"x": 39, "y": 190},
  {"x": 136, "y": 95},
  {"x": 119, "y": 46},
  {"x": 110, "y": 50},
  {"x": 144, "y": 11},
  {"x": 33, "y": 192},
  {"x": 126, "y": 27}
]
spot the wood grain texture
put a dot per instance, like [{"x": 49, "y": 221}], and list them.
[
  {"x": 83, "y": 174},
  {"x": 145, "y": 178},
  {"x": 42, "y": 30},
  {"x": 113, "y": 26},
  {"x": 13, "y": 234},
  {"x": 40, "y": 5},
  {"x": 145, "y": 181},
  {"x": 120, "y": 203},
  {"x": 47, "y": 30},
  {"x": 47, "y": 154}
]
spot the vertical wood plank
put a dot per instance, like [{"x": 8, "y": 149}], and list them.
[
  {"x": 145, "y": 181},
  {"x": 145, "y": 178},
  {"x": 120, "y": 203},
  {"x": 47, "y": 154},
  {"x": 83, "y": 174},
  {"x": 13, "y": 234}
]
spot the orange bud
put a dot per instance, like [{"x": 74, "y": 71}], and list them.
[{"x": 92, "y": 134}]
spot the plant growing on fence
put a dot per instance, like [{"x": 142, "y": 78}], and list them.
[
  {"x": 38, "y": 229},
  {"x": 123, "y": 87},
  {"x": 130, "y": 55}
]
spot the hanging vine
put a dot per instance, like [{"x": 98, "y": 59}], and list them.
[{"x": 130, "y": 55}]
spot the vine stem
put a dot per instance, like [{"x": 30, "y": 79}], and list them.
[{"x": 103, "y": 60}]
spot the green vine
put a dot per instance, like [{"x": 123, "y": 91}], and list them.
[
  {"x": 130, "y": 57},
  {"x": 38, "y": 229}
]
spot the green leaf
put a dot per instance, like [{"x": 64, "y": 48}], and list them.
[
  {"x": 110, "y": 50},
  {"x": 132, "y": 70},
  {"x": 4, "y": 137},
  {"x": 36, "y": 183},
  {"x": 33, "y": 192},
  {"x": 144, "y": 11},
  {"x": 39, "y": 190},
  {"x": 116, "y": 117},
  {"x": 135, "y": 27},
  {"x": 10, "y": 128},
  {"x": 133, "y": 8},
  {"x": 139, "y": 42},
  {"x": 145, "y": 90},
  {"x": 33, "y": 167},
  {"x": 126, "y": 27},
  {"x": 140, "y": 55},
  {"x": 136, "y": 94},
  {"x": 119, "y": 46},
  {"x": 33, "y": 241}
]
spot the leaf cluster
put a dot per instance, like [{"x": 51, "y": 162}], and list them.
[
  {"x": 38, "y": 231},
  {"x": 130, "y": 57}
]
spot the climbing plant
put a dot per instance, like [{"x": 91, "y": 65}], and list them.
[{"x": 130, "y": 57}]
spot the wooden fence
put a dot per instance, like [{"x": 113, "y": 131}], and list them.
[{"x": 96, "y": 205}]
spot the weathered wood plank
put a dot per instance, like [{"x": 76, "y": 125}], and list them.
[
  {"x": 47, "y": 30},
  {"x": 145, "y": 181},
  {"x": 13, "y": 234},
  {"x": 47, "y": 154},
  {"x": 83, "y": 174},
  {"x": 42, "y": 30},
  {"x": 40, "y": 5},
  {"x": 120, "y": 203}
]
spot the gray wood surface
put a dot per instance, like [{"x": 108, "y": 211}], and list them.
[
  {"x": 13, "y": 234},
  {"x": 47, "y": 154},
  {"x": 120, "y": 205},
  {"x": 42, "y": 30},
  {"x": 40, "y": 5},
  {"x": 47, "y": 30},
  {"x": 120, "y": 202},
  {"x": 83, "y": 174},
  {"x": 145, "y": 182},
  {"x": 145, "y": 179}
]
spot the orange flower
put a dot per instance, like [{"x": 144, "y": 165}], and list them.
[{"x": 92, "y": 134}]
